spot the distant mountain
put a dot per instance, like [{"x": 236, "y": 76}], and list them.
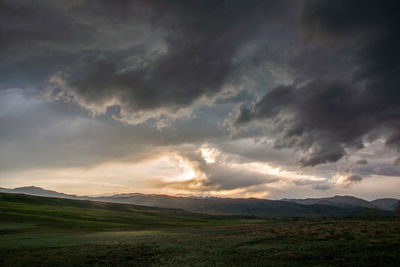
[
  {"x": 38, "y": 191},
  {"x": 250, "y": 207},
  {"x": 388, "y": 204},
  {"x": 232, "y": 206},
  {"x": 337, "y": 201}
]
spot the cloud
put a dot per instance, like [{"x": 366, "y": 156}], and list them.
[
  {"x": 149, "y": 58},
  {"x": 346, "y": 83},
  {"x": 362, "y": 162},
  {"x": 346, "y": 180},
  {"x": 222, "y": 174},
  {"x": 351, "y": 179},
  {"x": 227, "y": 178},
  {"x": 219, "y": 171},
  {"x": 40, "y": 133},
  {"x": 323, "y": 187}
]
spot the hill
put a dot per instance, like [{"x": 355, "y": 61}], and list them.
[
  {"x": 38, "y": 191},
  {"x": 42, "y": 231},
  {"x": 84, "y": 214},
  {"x": 252, "y": 207},
  {"x": 247, "y": 207},
  {"x": 387, "y": 204}
]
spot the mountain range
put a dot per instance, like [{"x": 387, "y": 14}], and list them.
[
  {"x": 388, "y": 204},
  {"x": 249, "y": 207}
]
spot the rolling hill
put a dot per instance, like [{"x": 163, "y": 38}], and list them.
[
  {"x": 37, "y": 191},
  {"x": 246, "y": 207},
  {"x": 92, "y": 215},
  {"x": 43, "y": 231},
  {"x": 387, "y": 204},
  {"x": 252, "y": 207}
]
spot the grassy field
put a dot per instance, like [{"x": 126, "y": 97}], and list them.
[{"x": 37, "y": 231}]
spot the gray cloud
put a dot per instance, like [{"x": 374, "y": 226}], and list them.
[
  {"x": 362, "y": 162},
  {"x": 347, "y": 81},
  {"x": 142, "y": 56},
  {"x": 220, "y": 175},
  {"x": 226, "y": 178},
  {"x": 323, "y": 187},
  {"x": 56, "y": 135}
]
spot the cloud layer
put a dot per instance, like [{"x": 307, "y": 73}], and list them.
[
  {"x": 232, "y": 97},
  {"x": 142, "y": 59},
  {"x": 346, "y": 85}
]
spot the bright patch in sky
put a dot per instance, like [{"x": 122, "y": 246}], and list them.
[{"x": 208, "y": 153}]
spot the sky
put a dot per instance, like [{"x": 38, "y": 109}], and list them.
[{"x": 232, "y": 98}]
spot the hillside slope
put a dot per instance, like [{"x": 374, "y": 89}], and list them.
[
  {"x": 247, "y": 207},
  {"x": 82, "y": 214}
]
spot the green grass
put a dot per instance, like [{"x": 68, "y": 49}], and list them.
[
  {"x": 68, "y": 214},
  {"x": 57, "y": 232}
]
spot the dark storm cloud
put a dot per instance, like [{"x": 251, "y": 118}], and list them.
[
  {"x": 30, "y": 32},
  {"x": 142, "y": 55},
  {"x": 347, "y": 85}
]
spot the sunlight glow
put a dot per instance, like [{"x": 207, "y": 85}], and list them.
[{"x": 208, "y": 153}]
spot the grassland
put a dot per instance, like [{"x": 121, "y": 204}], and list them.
[{"x": 37, "y": 231}]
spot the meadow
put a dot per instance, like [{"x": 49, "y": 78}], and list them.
[{"x": 38, "y": 231}]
